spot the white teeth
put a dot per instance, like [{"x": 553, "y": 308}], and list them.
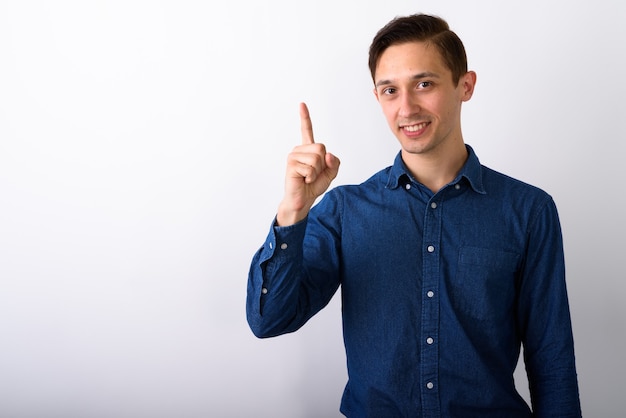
[{"x": 415, "y": 128}]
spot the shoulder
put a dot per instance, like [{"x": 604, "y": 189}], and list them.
[
  {"x": 345, "y": 196},
  {"x": 528, "y": 207},
  {"x": 516, "y": 197},
  {"x": 503, "y": 184},
  {"x": 378, "y": 181}
]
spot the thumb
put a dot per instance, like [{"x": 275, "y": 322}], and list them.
[{"x": 332, "y": 164}]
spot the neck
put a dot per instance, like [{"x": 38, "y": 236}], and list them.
[{"x": 436, "y": 169}]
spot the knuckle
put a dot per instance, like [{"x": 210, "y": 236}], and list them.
[{"x": 320, "y": 148}]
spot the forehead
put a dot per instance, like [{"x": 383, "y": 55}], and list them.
[{"x": 406, "y": 59}]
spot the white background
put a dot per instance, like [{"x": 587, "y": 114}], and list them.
[{"x": 142, "y": 150}]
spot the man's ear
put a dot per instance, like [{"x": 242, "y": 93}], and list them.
[
  {"x": 376, "y": 94},
  {"x": 467, "y": 84}
]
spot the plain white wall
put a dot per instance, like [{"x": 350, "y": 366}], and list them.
[{"x": 142, "y": 146}]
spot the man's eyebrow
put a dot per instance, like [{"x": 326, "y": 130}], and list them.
[{"x": 418, "y": 76}]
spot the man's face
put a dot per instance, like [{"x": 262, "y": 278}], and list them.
[{"x": 420, "y": 102}]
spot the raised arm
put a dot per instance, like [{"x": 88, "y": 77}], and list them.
[{"x": 283, "y": 292}]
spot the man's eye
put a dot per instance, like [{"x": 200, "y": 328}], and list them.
[
  {"x": 424, "y": 84},
  {"x": 389, "y": 90}
]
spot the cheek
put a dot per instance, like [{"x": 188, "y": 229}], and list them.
[
  {"x": 452, "y": 109},
  {"x": 389, "y": 113},
  {"x": 445, "y": 109}
]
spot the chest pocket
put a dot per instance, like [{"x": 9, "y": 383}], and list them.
[{"x": 484, "y": 286}]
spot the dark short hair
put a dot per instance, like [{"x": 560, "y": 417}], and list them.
[{"x": 421, "y": 28}]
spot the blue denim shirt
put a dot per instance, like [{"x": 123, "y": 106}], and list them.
[{"x": 439, "y": 291}]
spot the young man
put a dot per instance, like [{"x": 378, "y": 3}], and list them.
[{"x": 446, "y": 267}]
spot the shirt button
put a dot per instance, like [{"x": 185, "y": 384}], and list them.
[
  {"x": 271, "y": 245},
  {"x": 430, "y": 294},
  {"x": 457, "y": 186},
  {"x": 264, "y": 290},
  {"x": 433, "y": 205},
  {"x": 429, "y": 341},
  {"x": 430, "y": 385},
  {"x": 430, "y": 249},
  {"x": 407, "y": 186},
  {"x": 283, "y": 246}
]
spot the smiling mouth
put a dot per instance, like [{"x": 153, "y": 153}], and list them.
[{"x": 416, "y": 127}]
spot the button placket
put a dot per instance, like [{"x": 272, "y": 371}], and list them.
[{"x": 430, "y": 307}]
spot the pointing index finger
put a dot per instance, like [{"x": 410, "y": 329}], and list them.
[{"x": 306, "y": 127}]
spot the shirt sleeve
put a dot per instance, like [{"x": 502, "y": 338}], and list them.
[
  {"x": 545, "y": 321},
  {"x": 292, "y": 276}
]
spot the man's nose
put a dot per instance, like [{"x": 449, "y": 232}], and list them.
[{"x": 408, "y": 105}]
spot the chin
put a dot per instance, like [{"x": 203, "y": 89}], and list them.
[{"x": 415, "y": 146}]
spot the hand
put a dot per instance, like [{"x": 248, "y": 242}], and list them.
[{"x": 310, "y": 170}]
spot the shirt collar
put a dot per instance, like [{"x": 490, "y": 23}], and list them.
[{"x": 471, "y": 171}]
